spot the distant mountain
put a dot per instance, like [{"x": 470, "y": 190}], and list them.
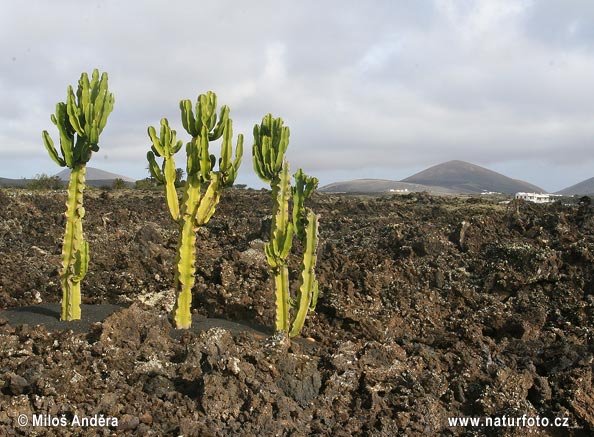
[
  {"x": 452, "y": 177},
  {"x": 94, "y": 174},
  {"x": 380, "y": 186},
  {"x": 581, "y": 189},
  {"x": 94, "y": 178},
  {"x": 5, "y": 182},
  {"x": 464, "y": 177}
]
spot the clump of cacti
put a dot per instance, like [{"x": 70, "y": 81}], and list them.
[
  {"x": 271, "y": 139},
  {"x": 80, "y": 121},
  {"x": 203, "y": 186}
]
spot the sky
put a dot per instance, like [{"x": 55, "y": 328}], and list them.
[{"x": 376, "y": 89}]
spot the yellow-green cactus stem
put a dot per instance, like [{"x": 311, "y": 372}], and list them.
[
  {"x": 75, "y": 251},
  {"x": 279, "y": 246},
  {"x": 165, "y": 146},
  {"x": 308, "y": 291}
]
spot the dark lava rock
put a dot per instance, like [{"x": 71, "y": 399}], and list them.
[
  {"x": 299, "y": 377},
  {"x": 429, "y": 308},
  {"x": 16, "y": 385}
]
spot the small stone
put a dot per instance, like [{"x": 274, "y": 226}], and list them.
[
  {"x": 540, "y": 391},
  {"x": 128, "y": 422},
  {"x": 158, "y": 386},
  {"x": 18, "y": 385},
  {"x": 108, "y": 400},
  {"x": 146, "y": 418},
  {"x": 459, "y": 393}
]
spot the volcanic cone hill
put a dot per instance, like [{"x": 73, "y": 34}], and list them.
[
  {"x": 464, "y": 177},
  {"x": 583, "y": 188},
  {"x": 452, "y": 177},
  {"x": 96, "y": 177}
]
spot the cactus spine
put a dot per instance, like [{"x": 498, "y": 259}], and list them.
[
  {"x": 271, "y": 140},
  {"x": 197, "y": 207},
  {"x": 83, "y": 116}
]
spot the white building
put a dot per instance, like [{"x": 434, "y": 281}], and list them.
[{"x": 534, "y": 197}]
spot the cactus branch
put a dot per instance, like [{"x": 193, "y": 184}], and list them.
[
  {"x": 308, "y": 291},
  {"x": 165, "y": 145}
]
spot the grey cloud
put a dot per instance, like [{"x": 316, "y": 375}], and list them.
[
  {"x": 363, "y": 85},
  {"x": 567, "y": 24}
]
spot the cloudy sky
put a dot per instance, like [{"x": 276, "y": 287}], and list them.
[{"x": 376, "y": 89}]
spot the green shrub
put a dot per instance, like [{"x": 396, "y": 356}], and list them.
[
  {"x": 118, "y": 184},
  {"x": 45, "y": 182}
]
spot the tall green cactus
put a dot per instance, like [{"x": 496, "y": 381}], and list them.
[
  {"x": 271, "y": 140},
  {"x": 197, "y": 206},
  {"x": 82, "y": 117}
]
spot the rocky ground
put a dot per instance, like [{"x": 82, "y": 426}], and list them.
[{"x": 430, "y": 308}]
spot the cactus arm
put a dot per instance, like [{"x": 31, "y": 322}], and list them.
[
  {"x": 157, "y": 147},
  {"x": 93, "y": 85},
  {"x": 308, "y": 291},
  {"x": 257, "y": 157},
  {"x": 81, "y": 266},
  {"x": 106, "y": 111},
  {"x": 99, "y": 108},
  {"x": 281, "y": 232},
  {"x": 193, "y": 157},
  {"x": 271, "y": 140},
  {"x": 72, "y": 111},
  {"x": 169, "y": 174},
  {"x": 165, "y": 145},
  {"x": 187, "y": 116},
  {"x": 220, "y": 127},
  {"x": 107, "y": 106},
  {"x": 226, "y": 147},
  {"x": 304, "y": 188},
  {"x": 49, "y": 145},
  {"x": 283, "y": 144},
  {"x": 66, "y": 136},
  {"x": 74, "y": 263},
  {"x": 208, "y": 116},
  {"x": 236, "y": 160},
  {"x": 83, "y": 92},
  {"x": 205, "y": 161},
  {"x": 208, "y": 203},
  {"x": 154, "y": 168}
]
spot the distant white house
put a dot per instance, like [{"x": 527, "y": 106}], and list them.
[{"x": 534, "y": 197}]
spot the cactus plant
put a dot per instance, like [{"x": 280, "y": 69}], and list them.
[
  {"x": 271, "y": 140},
  {"x": 197, "y": 204},
  {"x": 80, "y": 120}
]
